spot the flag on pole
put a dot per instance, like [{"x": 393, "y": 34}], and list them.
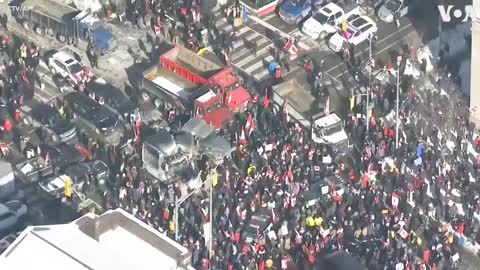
[
  {"x": 250, "y": 125},
  {"x": 285, "y": 111},
  {"x": 327, "y": 106}
]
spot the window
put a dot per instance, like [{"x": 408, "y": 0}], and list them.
[
  {"x": 338, "y": 14},
  {"x": 151, "y": 157},
  {"x": 6, "y": 215},
  {"x": 366, "y": 28},
  {"x": 60, "y": 65}
]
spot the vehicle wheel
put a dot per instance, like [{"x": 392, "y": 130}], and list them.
[
  {"x": 40, "y": 30},
  {"x": 298, "y": 20},
  {"x": 26, "y": 25},
  {"x": 49, "y": 32},
  {"x": 322, "y": 35},
  {"x": 61, "y": 38}
]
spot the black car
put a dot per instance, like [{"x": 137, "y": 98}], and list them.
[
  {"x": 63, "y": 155},
  {"x": 81, "y": 170},
  {"x": 113, "y": 98},
  {"x": 94, "y": 120},
  {"x": 53, "y": 124}
]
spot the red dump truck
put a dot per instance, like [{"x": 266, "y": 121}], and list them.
[{"x": 195, "y": 86}]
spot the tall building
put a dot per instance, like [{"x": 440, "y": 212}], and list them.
[
  {"x": 114, "y": 240},
  {"x": 475, "y": 69}
]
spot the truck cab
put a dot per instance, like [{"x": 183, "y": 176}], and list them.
[
  {"x": 329, "y": 130},
  {"x": 210, "y": 108},
  {"x": 164, "y": 159},
  {"x": 92, "y": 29},
  {"x": 234, "y": 95}
]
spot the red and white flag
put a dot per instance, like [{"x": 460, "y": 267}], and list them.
[
  {"x": 285, "y": 112},
  {"x": 395, "y": 200},
  {"x": 242, "y": 139},
  {"x": 250, "y": 125},
  {"x": 327, "y": 106}
]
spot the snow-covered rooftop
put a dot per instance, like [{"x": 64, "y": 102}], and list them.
[{"x": 114, "y": 240}]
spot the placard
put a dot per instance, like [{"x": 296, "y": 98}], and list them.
[{"x": 325, "y": 190}]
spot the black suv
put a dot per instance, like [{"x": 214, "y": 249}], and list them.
[{"x": 93, "y": 119}]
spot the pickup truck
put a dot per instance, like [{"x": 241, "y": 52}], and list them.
[
  {"x": 326, "y": 20},
  {"x": 301, "y": 105}
]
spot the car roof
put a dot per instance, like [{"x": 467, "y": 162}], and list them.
[
  {"x": 64, "y": 58},
  {"x": 43, "y": 109},
  {"x": 82, "y": 100},
  {"x": 331, "y": 8},
  {"x": 3, "y": 209}
]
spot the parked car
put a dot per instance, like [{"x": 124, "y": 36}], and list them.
[
  {"x": 325, "y": 21},
  {"x": 78, "y": 172},
  {"x": 113, "y": 98},
  {"x": 63, "y": 155},
  {"x": 293, "y": 11},
  {"x": 96, "y": 121},
  {"x": 387, "y": 10},
  {"x": 64, "y": 64},
  {"x": 259, "y": 223},
  {"x": 10, "y": 214},
  {"x": 55, "y": 185},
  {"x": 53, "y": 124},
  {"x": 359, "y": 29}
]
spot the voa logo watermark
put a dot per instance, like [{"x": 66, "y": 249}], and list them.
[{"x": 455, "y": 13}]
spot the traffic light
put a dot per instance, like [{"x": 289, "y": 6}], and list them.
[{"x": 68, "y": 187}]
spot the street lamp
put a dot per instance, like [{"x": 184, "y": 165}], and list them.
[
  {"x": 370, "y": 39},
  {"x": 396, "y": 73}
]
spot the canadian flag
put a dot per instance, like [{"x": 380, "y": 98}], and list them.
[
  {"x": 250, "y": 125},
  {"x": 242, "y": 139},
  {"x": 327, "y": 106},
  {"x": 395, "y": 200},
  {"x": 285, "y": 112}
]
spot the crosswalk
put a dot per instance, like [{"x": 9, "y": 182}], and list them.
[{"x": 241, "y": 57}]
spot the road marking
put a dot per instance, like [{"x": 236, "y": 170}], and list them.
[
  {"x": 266, "y": 18},
  {"x": 282, "y": 33},
  {"x": 259, "y": 64},
  {"x": 366, "y": 49},
  {"x": 251, "y": 57}
]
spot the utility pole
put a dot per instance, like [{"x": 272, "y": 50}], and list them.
[
  {"x": 178, "y": 202},
  {"x": 210, "y": 243},
  {"x": 370, "y": 39},
  {"x": 398, "y": 108}
]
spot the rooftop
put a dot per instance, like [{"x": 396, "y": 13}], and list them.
[{"x": 115, "y": 240}]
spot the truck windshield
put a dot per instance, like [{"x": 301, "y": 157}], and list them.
[
  {"x": 297, "y": 2},
  {"x": 320, "y": 17},
  {"x": 213, "y": 107},
  {"x": 75, "y": 68},
  {"x": 333, "y": 129}
]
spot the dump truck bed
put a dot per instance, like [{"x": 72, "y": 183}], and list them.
[
  {"x": 52, "y": 8},
  {"x": 299, "y": 99},
  {"x": 189, "y": 65},
  {"x": 158, "y": 78}
]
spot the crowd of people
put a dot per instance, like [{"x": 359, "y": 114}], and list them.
[{"x": 406, "y": 206}]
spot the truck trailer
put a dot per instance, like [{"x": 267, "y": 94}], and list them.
[
  {"x": 195, "y": 86},
  {"x": 64, "y": 22}
]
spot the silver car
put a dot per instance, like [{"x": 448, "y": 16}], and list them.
[{"x": 390, "y": 7}]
